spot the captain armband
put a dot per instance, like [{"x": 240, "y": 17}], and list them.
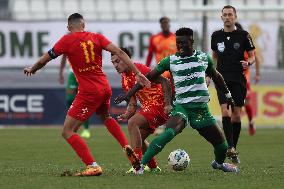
[{"x": 52, "y": 54}]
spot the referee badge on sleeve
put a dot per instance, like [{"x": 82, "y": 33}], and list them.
[{"x": 221, "y": 47}]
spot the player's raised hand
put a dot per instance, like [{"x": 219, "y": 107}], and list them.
[
  {"x": 141, "y": 79},
  {"x": 130, "y": 111},
  {"x": 122, "y": 117},
  {"x": 28, "y": 71}
]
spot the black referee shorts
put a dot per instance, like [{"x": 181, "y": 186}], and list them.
[{"x": 238, "y": 92}]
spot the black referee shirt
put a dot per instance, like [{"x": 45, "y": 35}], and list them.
[{"x": 230, "y": 48}]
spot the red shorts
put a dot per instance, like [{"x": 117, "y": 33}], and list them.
[
  {"x": 155, "y": 116},
  {"x": 84, "y": 105}
]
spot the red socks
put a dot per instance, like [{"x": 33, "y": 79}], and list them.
[
  {"x": 114, "y": 128},
  {"x": 153, "y": 163},
  {"x": 138, "y": 152},
  {"x": 248, "y": 108},
  {"x": 81, "y": 149}
]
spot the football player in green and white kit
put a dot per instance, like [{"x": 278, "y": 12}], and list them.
[
  {"x": 188, "y": 68},
  {"x": 71, "y": 90}
]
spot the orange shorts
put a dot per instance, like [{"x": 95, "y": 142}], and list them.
[
  {"x": 84, "y": 105},
  {"x": 248, "y": 96},
  {"x": 155, "y": 116}
]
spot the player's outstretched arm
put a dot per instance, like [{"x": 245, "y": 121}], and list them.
[
  {"x": 42, "y": 61},
  {"x": 130, "y": 110},
  {"x": 220, "y": 84},
  {"x": 124, "y": 57},
  {"x": 167, "y": 90},
  {"x": 152, "y": 76},
  {"x": 126, "y": 97},
  {"x": 61, "y": 69}
]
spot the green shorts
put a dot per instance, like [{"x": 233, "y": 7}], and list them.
[
  {"x": 71, "y": 85},
  {"x": 72, "y": 81},
  {"x": 197, "y": 117}
]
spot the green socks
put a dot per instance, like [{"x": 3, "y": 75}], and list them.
[
  {"x": 157, "y": 145},
  {"x": 86, "y": 124},
  {"x": 220, "y": 152}
]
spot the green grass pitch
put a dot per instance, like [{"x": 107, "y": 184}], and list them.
[{"x": 35, "y": 158}]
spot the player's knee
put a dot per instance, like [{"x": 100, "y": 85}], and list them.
[
  {"x": 225, "y": 112},
  {"x": 66, "y": 132},
  {"x": 177, "y": 125},
  {"x": 236, "y": 117}
]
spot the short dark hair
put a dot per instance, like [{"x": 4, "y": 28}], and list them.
[
  {"x": 230, "y": 7},
  {"x": 184, "y": 31},
  {"x": 74, "y": 17},
  {"x": 239, "y": 26},
  {"x": 127, "y": 50},
  {"x": 163, "y": 18}
]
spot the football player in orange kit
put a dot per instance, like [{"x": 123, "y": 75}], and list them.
[{"x": 162, "y": 44}]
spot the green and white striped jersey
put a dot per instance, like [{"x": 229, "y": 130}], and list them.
[{"x": 189, "y": 77}]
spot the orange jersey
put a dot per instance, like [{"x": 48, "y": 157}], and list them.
[
  {"x": 247, "y": 71},
  {"x": 148, "y": 97},
  {"x": 162, "y": 47}
]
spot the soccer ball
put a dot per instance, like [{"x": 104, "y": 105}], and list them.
[{"x": 178, "y": 160}]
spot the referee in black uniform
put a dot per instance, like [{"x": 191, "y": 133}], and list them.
[{"x": 229, "y": 45}]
